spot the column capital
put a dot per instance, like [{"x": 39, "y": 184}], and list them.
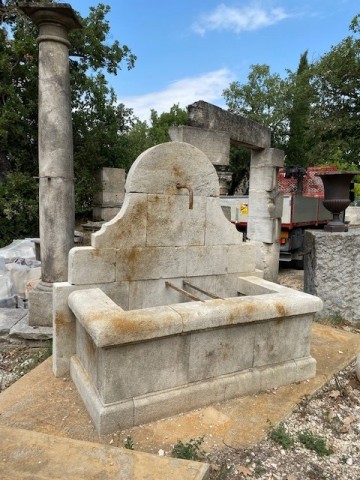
[{"x": 52, "y": 13}]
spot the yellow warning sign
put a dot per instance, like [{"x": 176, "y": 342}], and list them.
[{"x": 243, "y": 208}]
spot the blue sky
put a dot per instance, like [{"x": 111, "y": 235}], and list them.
[{"x": 191, "y": 50}]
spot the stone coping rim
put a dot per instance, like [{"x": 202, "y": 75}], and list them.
[{"x": 109, "y": 325}]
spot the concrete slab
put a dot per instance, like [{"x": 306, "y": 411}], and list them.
[
  {"x": 9, "y": 317},
  {"x": 28, "y": 455},
  {"x": 43, "y": 403},
  {"x": 23, "y": 330}
]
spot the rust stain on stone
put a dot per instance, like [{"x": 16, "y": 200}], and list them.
[
  {"x": 90, "y": 347},
  {"x": 61, "y": 319},
  {"x": 280, "y": 309},
  {"x": 178, "y": 172}
]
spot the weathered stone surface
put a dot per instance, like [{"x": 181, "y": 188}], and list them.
[
  {"x": 352, "y": 215},
  {"x": 270, "y": 346},
  {"x": 242, "y": 131},
  {"x": 86, "y": 460},
  {"x": 230, "y": 350},
  {"x": 206, "y": 260},
  {"x": 160, "y": 168},
  {"x": 332, "y": 272},
  {"x": 88, "y": 265},
  {"x": 150, "y": 263},
  {"x": 265, "y": 230},
  {"x": 218, "y": 230},
  {"x": 269, "y": 157},
  {"x": 160, "y": 365},
  {"x": 112, "y": 186},
  {"x": 23, "y": 330},
  {"x": 241, "y": 258},
  {"x": 128, "y": 227},
  {"x": 264, "y": 205},
  {"x": 109, "y": 325},
  {"x": 9, "y": 317},
  {"x": 215, "y": 145},
  {"x": 154, "y": 293},
  {"x": 40, "y": 307},
  {"x": 187, "y": 225}
]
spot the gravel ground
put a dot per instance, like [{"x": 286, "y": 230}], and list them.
[{"x": 329, "y": 423}]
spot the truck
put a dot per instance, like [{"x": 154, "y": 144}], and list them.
[{"x": 303, "y": 208}]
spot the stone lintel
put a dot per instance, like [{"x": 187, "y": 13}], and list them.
[
  {"x": 242, "y": 131},
  {"x": 58, "y": 13}
]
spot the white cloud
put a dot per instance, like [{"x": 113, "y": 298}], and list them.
[
  {"x": 248, "y": 18},
  {"x": 207, "y": 87}
]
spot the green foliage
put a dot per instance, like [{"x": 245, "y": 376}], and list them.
[
  {"x": 264, "y": 98},
  {"x": 190, "y": 450},
  {"x": 129, "y": 443},
  {"x": 280, "y": 435},
  {"x": 18, "y": 208},
  {"x": 314, "y": 442},
  {"x": 302, "y": 94},
  {"x": 98, "y": 120},
  {"x": 160, "y": 124}
]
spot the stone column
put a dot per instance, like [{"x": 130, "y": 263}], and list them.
[
  {"x": 56, "y": 170},
  {"x": 265, "y": 209}
]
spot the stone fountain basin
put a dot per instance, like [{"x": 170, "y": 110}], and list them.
[{"x": 134, "y": 367}]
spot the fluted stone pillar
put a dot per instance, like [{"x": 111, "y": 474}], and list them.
[{"x": 56, "y": 170}]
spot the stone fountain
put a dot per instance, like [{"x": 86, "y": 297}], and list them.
[{"x": 166, "y": 312}]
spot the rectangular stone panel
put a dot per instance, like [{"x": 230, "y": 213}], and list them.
[
  {"x": 265, "y": 204},
  {"x": 266, "y": 230},
  {"x": 241, "y": 258},
  {"x": 170, "y": 221},
  {"x": 283, "y": 339},
  {"x": 263, "y": 178},
  {"x": 209, "y": 260},
  {"x": 154, "y": 293},
  {"x": 221, "y": 351},
  {"x": 150, "y": 263},
  {"x": 88, "y": 265},
  {"x": 269, "y": 157},
  {"x": 141, "y": 368}
]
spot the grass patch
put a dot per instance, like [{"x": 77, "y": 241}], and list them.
[
  {"x": 190, "y": 450},
  {"x": 280, "y": 436},
  {"x": 314, "y": 442}
]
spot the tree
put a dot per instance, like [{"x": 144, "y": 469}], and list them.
[
  {"x": 160, "y": 124},
  {"x": 264, "y": 98},
  {"x": 335, "y": 122},
  {"x": 299, "y": 116},
  {"x": 97, "y": 117}
]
